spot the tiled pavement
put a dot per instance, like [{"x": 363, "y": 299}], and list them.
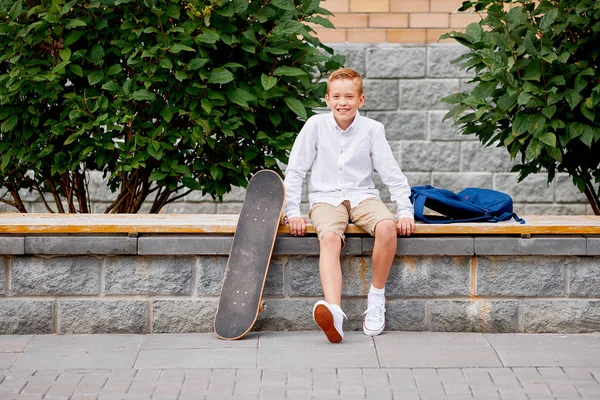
[{"x": 302, "y": 365}]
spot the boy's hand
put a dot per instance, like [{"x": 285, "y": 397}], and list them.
[
  {"x": 405, "y": 226},
  {"x": 297, "y": 226}
]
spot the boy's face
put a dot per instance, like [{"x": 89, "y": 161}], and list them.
[{"x": 344, "y": 100}]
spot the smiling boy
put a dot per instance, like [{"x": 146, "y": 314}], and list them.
[{"x": 343, "y": 149}]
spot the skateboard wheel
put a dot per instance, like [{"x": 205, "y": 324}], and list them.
[{"x": 263, "y": 306}]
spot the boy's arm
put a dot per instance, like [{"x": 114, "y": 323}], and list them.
[
  {"x": 386, "y": 165},
  {"x": 301, "y": 158}
]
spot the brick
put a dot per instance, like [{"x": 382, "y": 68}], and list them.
[
  {"x": 380, "y": 94},
  {"x": 537, "y": 245},
  {"x": 474, "y": 316},
  {"x": 355, "y": 56},
  {"x": 428, "y": 246},
  {"x": 593, "y": 245},
  {"x": 369, "y": 6},
  {"x": 353, "y": 20},
  {"x": 461, "y": 20},
  {"x": 520, "y": 276},
  {"x": 439, "y": 62},
  {"x": 394, "y": 20},
  {"x": 26, "y": 317},
  {"x": 336, "y": 6},
  {"x": 584, "y": 277},
  {"x": 148, "y": 275},
  {"x": 183, "y": 316},
  {"x": 396, "y": 62},
  {"x": 566, "y": 191},
  {"x": 439, "y": 129},
  {"x": 409, "y": 6},
  {"x": 366, "y": 35},
  {"x": 429, "y": 276},
  {"x": 402, "y": 125},
  {"x": 285, "y": 315},
  {"x": 430, "y": 20},
  {"x": 102, "y": 316},
  {"x": 55, "y": 276},
  {"x": 561, "y": 316},
  {"x": 209, "y": 275},
  {"x": 418, "y": 178},
  {"x": 434, "y": 36},
  {"x": 80, "y": 245},
  {"x": 409, "y": 36},
  {"x": 12, "y": 245},
  {"x": 534, "y": 188},
  {"x": 445, "y": 5},
  {"x": 331, "y": 35},
  {"x": 425, "y": 94},
  {"x": 429, "y": 156},
  {"x": 458, "y": 181},
  {"x": 184, "y": 245},
  {"x": 475, "y": 156},
  {"x": 310, "y": 246}
]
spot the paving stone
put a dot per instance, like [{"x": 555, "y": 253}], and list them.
[
  {"x": 584, "y": 277},
  {"x": 381, "y": 95},
  {"x": 439, "y": 61},
  {"x": 424, "y": 94},
  {"x": 184, "y": 244},
  {"x": 474, "y": 157},
  {"x": 429, "y": 156},
  {"x": 355, "y": 56}
]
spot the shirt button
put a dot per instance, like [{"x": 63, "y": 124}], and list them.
[{"x": 341, "y": 151}]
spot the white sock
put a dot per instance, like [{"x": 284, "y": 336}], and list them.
[{"x": 376, "y": 295}]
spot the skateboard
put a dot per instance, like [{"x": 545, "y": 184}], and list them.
[{"x": 250, "y": 255}]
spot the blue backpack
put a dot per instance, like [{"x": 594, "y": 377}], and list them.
[{"x": 468, "y": 205}]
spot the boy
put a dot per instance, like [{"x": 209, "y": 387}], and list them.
[{"x": 342, "y": 149}]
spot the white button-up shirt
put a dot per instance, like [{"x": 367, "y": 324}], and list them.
[{"x": 343, "y": 164}]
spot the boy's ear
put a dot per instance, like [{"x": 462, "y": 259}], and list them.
[{"x": 361, "y": 100}]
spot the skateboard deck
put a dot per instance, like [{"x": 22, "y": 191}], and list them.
[{"x": 250, "y": 256}]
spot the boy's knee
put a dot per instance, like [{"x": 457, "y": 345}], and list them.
[
  {"x": 331, "y": 239},
  {"x": 386, "y": 229}
]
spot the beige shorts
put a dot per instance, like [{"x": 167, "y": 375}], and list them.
[{"x": 366, "y": 215}]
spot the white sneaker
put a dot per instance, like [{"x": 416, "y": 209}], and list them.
[
  {"x": 330, "y": 319},
  {"x": 374, "y": 319}
]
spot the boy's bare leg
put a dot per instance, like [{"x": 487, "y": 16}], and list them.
[
  {"x": 330, "y": 267},
  {"x": 384, "y": 251}
]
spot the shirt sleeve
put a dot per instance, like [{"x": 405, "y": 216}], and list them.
[
  {"x": 301, "y": 159},
  {"x": 386, "y": 165}
]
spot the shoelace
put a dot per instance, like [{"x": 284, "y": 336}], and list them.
[{"x": 375, "y": 312}]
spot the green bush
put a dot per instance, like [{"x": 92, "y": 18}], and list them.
[
  {"x": 162, "y": 96},
  {"x": 536, "y": 87}
]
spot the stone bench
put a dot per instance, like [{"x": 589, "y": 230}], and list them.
[{"x": 160, "y": 273}]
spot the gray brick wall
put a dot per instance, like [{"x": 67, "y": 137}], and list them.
[
  {"x": 442, "y": 283},
  {"x": 403, "y": 85}
]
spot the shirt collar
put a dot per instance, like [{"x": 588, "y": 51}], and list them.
[{"x": 350, "y": 128}]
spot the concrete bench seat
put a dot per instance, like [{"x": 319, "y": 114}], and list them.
[{"x": 226, "y": 224}]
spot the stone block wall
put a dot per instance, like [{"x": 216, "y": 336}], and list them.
[
  {"x": 170, "y": 283},
  {"x": 403, "y": 87}
]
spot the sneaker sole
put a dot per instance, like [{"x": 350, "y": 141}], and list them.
[{"x": 324, "y": 319}]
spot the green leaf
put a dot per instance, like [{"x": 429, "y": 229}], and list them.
[
  {"x": 95, "y": 77},
  {"x": 76, "y": 69},
  {"x": 220, "y": 76},
  {"x": 296, "y": 106},
  {"x": 548, "y": 19},
  {"x": 60, "y": 67},
  {"x": 587, "y": 112},
  {"x": 288, "y": 71},
  {"x": 166, "y": 63},
  {"x": 74, "y": 23},
  {"x": 216, "y": 172},
  {"x": 268, "y": 81},
  {"x": 191, "y": 183},
  {"x": 142, "y": 95},
  {"x": 97, "y": 54},
  {"x": 111, "y": 86},
  {"x": 72, "y": 37},
  {"x": 240, "y": 97},
  {"x": 484, "y": 89},
  {"x": 531, "y": 43},
  {"x": 115, "y": 69},
  {"x": 284, "y": 4},
  {"x": 180, "y": 76},
  {"x": 167, "y": 114},
  {"x": 9, "y": 124},
  {"x": 178, "y": 47},
  {"x": 288, "y": 28},
  {"x": 15, "y": 10},
  {"x": 157, "y": 175},
  {"x": 321, "y": 21},
  {"x": 197, "y": 63},
  {"x": 533, "y": 71},
  {"x": 573, "y": 98},
  {"x": 65, "y": 54},
  {"x": 549, "y": 139},
  {"x": 549, "y": 111}
]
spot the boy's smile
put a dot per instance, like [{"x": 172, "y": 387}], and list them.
[{"x": 344, "y": 100}]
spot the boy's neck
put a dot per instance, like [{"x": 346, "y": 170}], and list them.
[{"x": 344, "y": 124}]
